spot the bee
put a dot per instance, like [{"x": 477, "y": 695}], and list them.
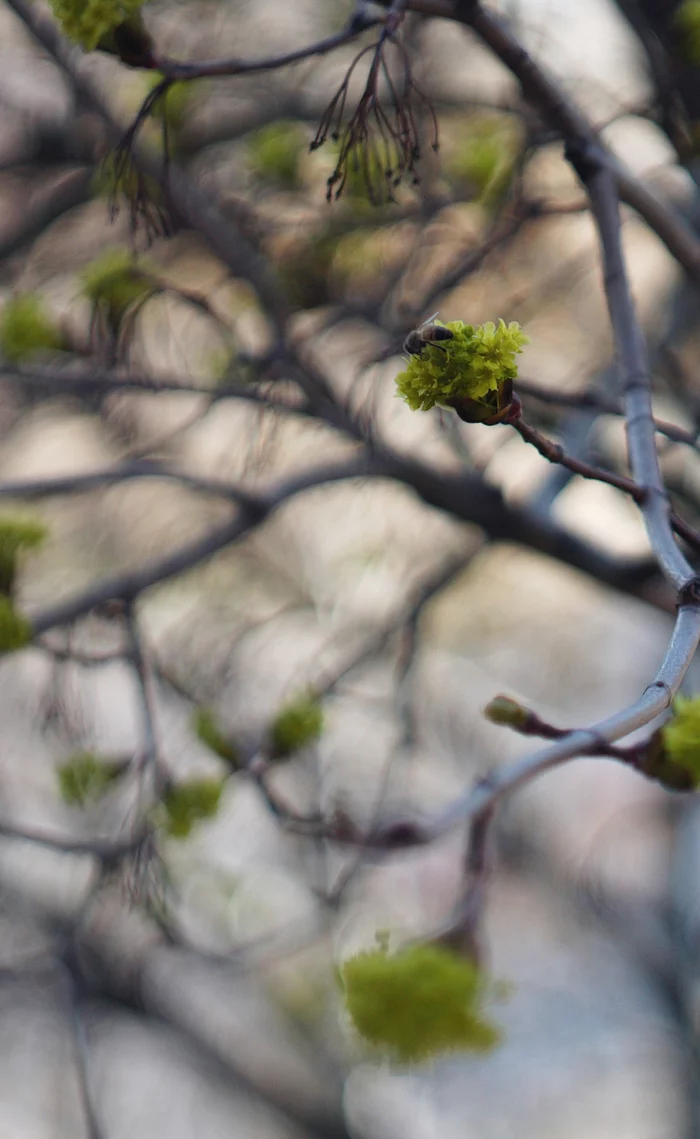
[{"x": 427, "y": 334}]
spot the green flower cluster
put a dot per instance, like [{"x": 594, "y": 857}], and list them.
[
  {"x": 680, "y": 738},
  {"x": 87, "y": 21},
  {"x": 26, "y": 330},
  {"x": 296, "y": 725},
  {"x": 86, "y": 776},
  {"x": 686, "y": 20},
  {"x": 418, "y": 1003},
  {"x": 474, "y": 365}
]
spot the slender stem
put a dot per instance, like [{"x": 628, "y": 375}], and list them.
[
  {"x": 654, "y": 700},
  {"x": 636, "y": 382},
  {"x": 555, "y": 453}
]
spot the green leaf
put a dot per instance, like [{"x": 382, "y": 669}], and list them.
[
  {"x": 207, "y": 730},
  {"x": 418, "y": 1003},
  {"x": 26, "y": 330},
  {"x": 86, "y": 776},
  {"x": 189, "y": 803},
  {"x": 296, "y": 725}
]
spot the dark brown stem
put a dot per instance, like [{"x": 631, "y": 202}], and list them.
[{"x": 555, "y": 453}]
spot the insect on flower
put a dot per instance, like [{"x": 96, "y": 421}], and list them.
[{"x": 425, "y": 335}]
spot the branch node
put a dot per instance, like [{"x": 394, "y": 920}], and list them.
[
  {"x": 585, "y": 156},
  {"x": 689, "y": 594}
]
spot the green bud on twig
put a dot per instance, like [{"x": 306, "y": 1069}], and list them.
[{"x": 505, "y": 710}]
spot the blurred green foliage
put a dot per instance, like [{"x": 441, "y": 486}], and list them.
[
  {"x": 482, "y": 157},
  {"x": 16, "y": 535},
  {"x": 186, "y": 804},
  {"x": 686, "y": 20},
  {"x": 115, "y": 281},
  {"x": 86, "y": 776},
  {"x": 419, "y": 1002},
  {"x": 15, "y": 629},
  {"x": 274, "y": 153},
  {"x": 296, "y": 725},
  {"x": 87, "y": 21},
  {"x": 26, "y": 329},
  {"x": 207, "y": 730}
]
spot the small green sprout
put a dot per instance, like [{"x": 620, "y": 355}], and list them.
[
  {"x": 472, "y": 372},
  {"x": 296, "y": 725},
  {"x": 207, "y": 730},
  {"x": 419, "y": 1002},
  {"x": 26, "y": 330},
  {"x": 86, "y": 777},
  {"x": 188, "y": 803}
]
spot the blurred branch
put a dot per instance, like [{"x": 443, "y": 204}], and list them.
[
  {"x": 555, "y": 453},
  {"x": 73, "y": 189},
  {"x": 176, "y": 71},
  {"x": 561, "y": 113}
]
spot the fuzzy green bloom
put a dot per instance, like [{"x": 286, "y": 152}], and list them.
[
  {"x": 207, "y": 730},
  {"x": 114, "y": 282},
  {"x": 418, "y": 1003},
  {"x": 86, "y": 776},
  {"x": 297, "y": 724},
  {"x": 87, "y": 21},
  {"x": 474, "y": 365},
  {"x": 15, "y": 629},
  {"x": 274, "y": 152},
  {"x": 26, "y": 329},
  {"x": 681, "y": 737},
  {"x": 16, "y": 535},
  {"x": 189, "y": 803},
  {"x": 686, "y": 20}
]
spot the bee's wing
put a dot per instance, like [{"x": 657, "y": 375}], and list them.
[{"x": 430, "y": 319}]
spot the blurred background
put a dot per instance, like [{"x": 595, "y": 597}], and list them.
[{"x": 191, "y": 988}]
